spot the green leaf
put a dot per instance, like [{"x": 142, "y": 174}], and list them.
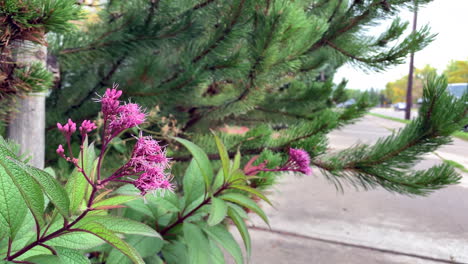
[
  {"x": 236, "y": 163},
  {"x": 221, "y": 235},
  {"x": 202, "y": 160},
  {"x": 111, "y": 238},
  {"x": 45, "y": 259},
  {"x": 175, "y": 252},
  {"x": 237, "y": 176},
  {"x": 223, "y": 154},
  {"x": 120, "y": 225},
  {"x": 25, "y": 185},
  {"x": 76, "y": 240},
  {"x": 154, "y": 260},
  {"x": 146, "y": 247},
  {"x": 13, "y": 209},
  {"x": 219, "y": 180},
  {"x": 241, "y": 226},
  {"x": 252, "y": 191},
  {"x": 51, "y": 187},
  {"x": 246, "y": 202},
  {"x": 197, "y": 243},
  {"x": 239, "y": 210},
  {"x": 70, "y": 256},
  {"x": 218, "y": 211},
  {"x": 217, "y": 256},
  {"x": 193, "y": 183},
  {"x": 115, "y": 200},
  {"x": 77, "y": 187}
]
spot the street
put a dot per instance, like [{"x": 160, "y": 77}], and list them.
[
  {"x": 313, "y": 223},
  {"x": 393, "y": 113}
]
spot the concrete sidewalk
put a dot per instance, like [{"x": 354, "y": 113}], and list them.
[{"x": 313, "y": 223}]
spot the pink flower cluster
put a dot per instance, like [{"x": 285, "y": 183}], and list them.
[
  {"x": 148, "y": 161},
  {"x": 299, "y": 160},
  {"x": 67, "y": 130},
  {"x": 118, "y": 118}
]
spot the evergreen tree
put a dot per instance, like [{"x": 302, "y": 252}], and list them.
[{"x": 262, "y": 64}]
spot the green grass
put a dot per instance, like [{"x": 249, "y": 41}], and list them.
[
  {"x": 458, "y": 134},
  {"x": 391, "y": 118},
  {"x": 461, "y": 135},
  {"x": 456, "y": 165}
]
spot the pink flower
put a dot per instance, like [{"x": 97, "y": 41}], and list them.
[
  {"x": 152, "y": 180},
  {"x": 86, "y": 127},
  {"x": 110, "y": 101},
  {"x": 149, "y": 161},
  {"x": 67, "y": 129},
  {"x": 60, "y": 150},
  {"x": 299, "y": 160}
]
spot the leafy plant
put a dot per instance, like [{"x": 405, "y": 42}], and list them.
[{"x": 46, "y": 222}]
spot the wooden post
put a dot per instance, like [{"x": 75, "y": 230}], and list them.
[{"x": 27, "y": 126}]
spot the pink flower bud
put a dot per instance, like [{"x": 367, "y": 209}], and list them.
[
  {"x": 68, "y": 129},
  {"x": 60, "y": 150},
  {"x": 86, "y": 127}
]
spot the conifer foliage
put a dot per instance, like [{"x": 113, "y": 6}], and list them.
[{"x": 260, "y": 64}]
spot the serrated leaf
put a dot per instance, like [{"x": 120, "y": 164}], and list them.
[
  {"x": 221, "y": 235},
  {"x": 218, "y": 211},
  {"x": 217, "y": 256},
  {"x": 239, "y": 210},
  {"x": 146, "y": 247},
  {"x": 236, "y": 162},
  {"x": 202, "y": 160},
  {"x": 76, "y": 240},
  {"x": 120, "y": 225},
  {"x": 252, "y": 191},
  {"x": 44, "y": 259},
  {"x": 51, "y": 187},
  {"x": 197, "y": 244},
  {"x": 70, "y": 256},
  {"x": 77, "y": 186},
  {"x": 246, "y": 202},
  {"x": 175, "y": 252},
  {"x": 237, "y": 177},
  {"x": 241, "y": 226},
  {"x": 112, "y": 239},
  {"x": 219, "y": 180},
  {"x": 154, "y": 260},
  {"x": 12, "y": 206},
  {"x": 115, "y": 200},
  {"x": 193, "y": 183},
  {"x": 223, "y": 154},
  {"x": 24, "y": 184}
]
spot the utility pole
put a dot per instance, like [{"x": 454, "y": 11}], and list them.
[{"x": 409, "y": 91}]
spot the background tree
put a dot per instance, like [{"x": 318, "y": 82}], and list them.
[
  {"x": 457, "y": 71},
  {"x": 24, "y": 79},
  {"x": 197, "y": 65},
  {"x": 396, "y": 91}
]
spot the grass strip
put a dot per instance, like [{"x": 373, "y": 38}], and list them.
[{"x": 458, "y": 134}]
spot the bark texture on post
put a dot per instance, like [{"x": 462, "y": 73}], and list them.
[{"x": 27, "y": 126}]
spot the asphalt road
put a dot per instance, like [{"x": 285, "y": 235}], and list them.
[
  {"x": 391, "y": 112},
  {"x": 313, "y": 223}
]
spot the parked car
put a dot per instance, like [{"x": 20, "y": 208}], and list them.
[
  {"x": 347, "y": 104},
  {"x": 399, "y": 106},
  {"x": 458, "y": 90}
]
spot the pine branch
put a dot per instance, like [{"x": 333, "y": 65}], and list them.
[{"x": 388, "y": 162}]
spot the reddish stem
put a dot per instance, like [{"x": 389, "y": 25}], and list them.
[{"x": 180, "y": 219}]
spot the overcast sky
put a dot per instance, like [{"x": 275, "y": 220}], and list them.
[{"x": 447, "y": 18}]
